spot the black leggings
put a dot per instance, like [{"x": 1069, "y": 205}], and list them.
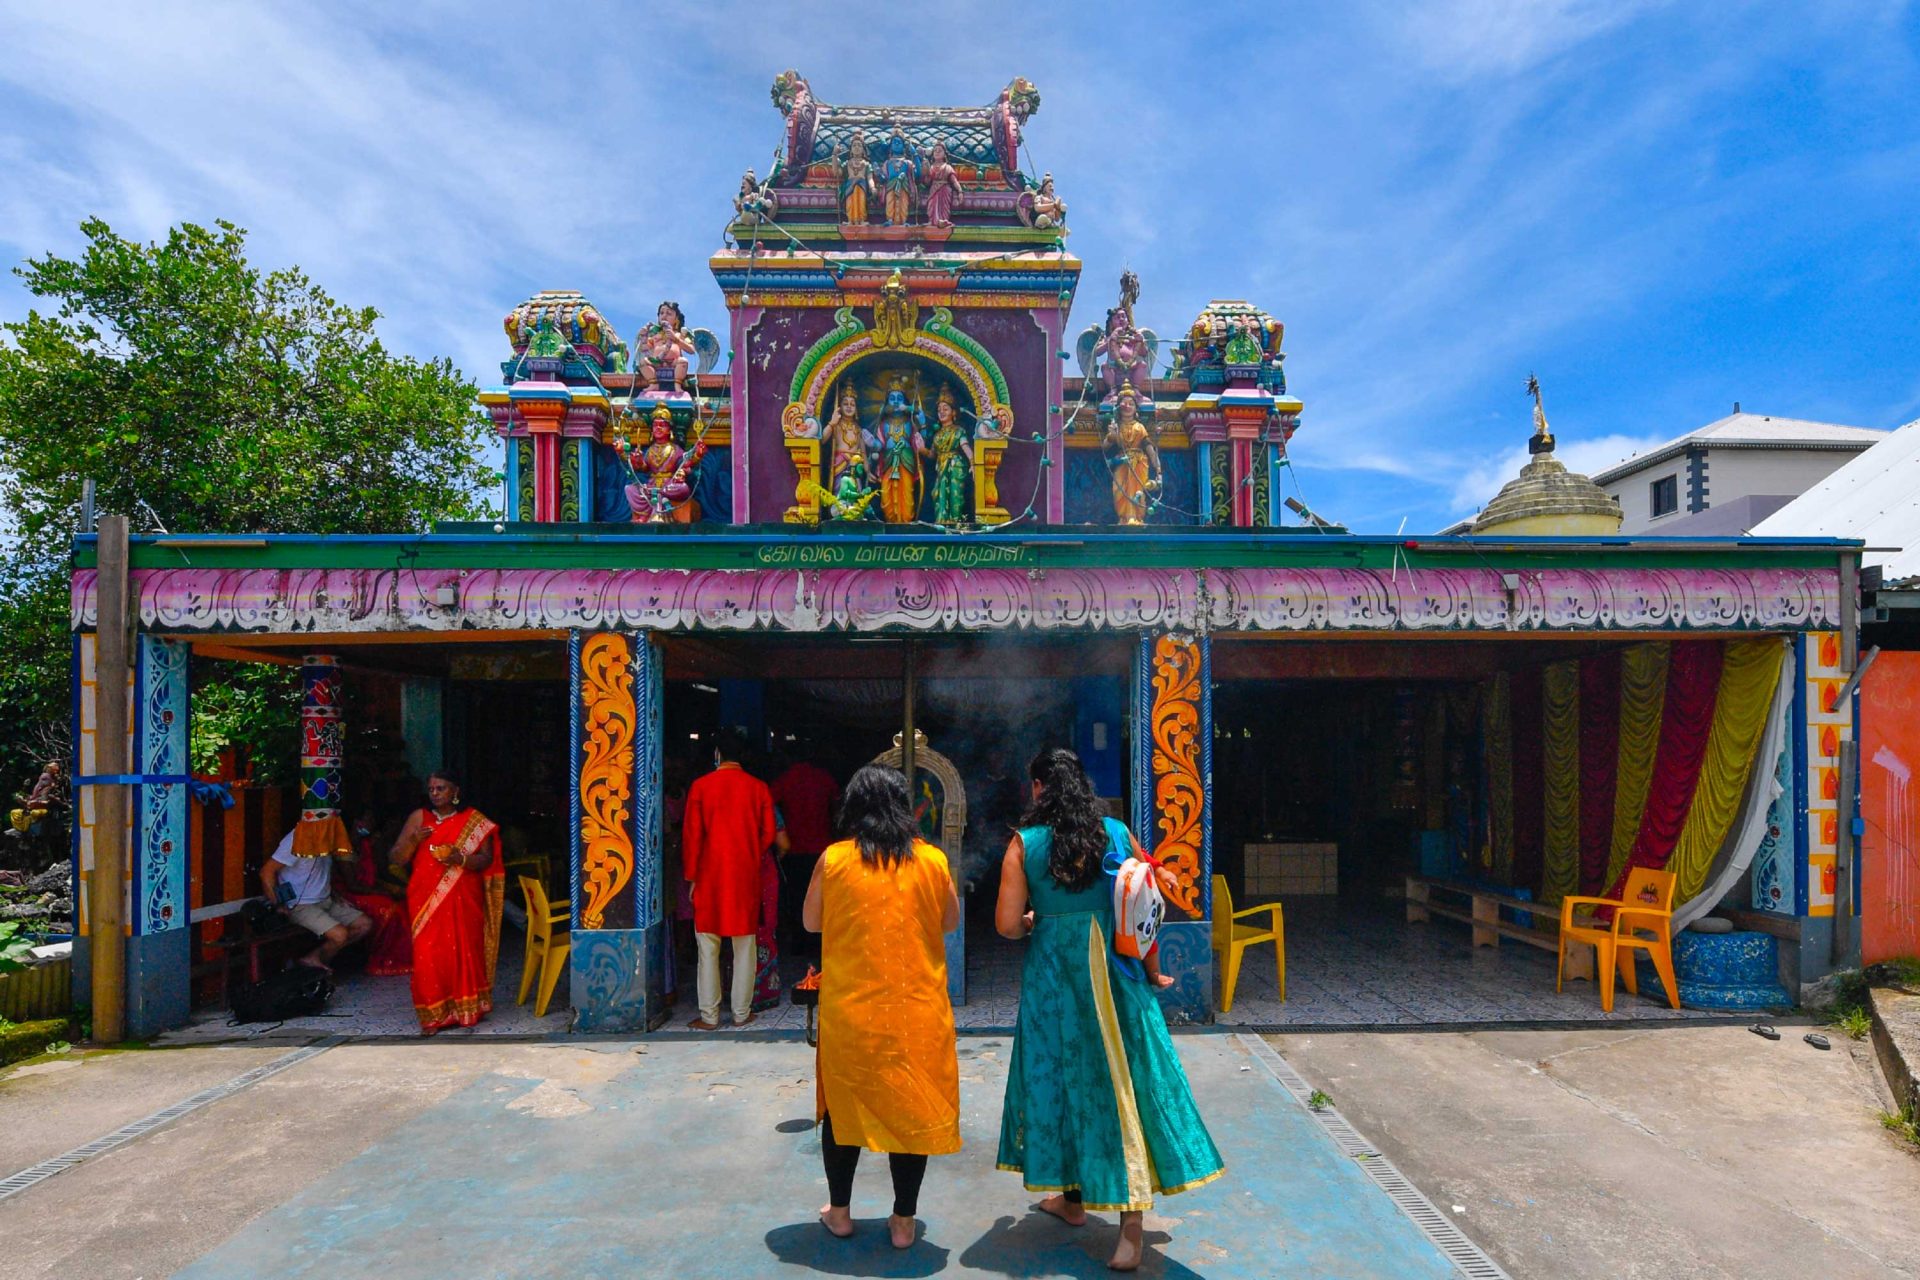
[{"x": 908, "y": 1171}]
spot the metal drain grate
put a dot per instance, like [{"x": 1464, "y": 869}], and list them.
[
  {"x": 14, "y": 1185},
  {"x": 1464, "y": 1254}
]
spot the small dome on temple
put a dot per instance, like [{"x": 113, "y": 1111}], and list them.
[
  {"x": 1223, "y": 319},
  {"x": 1546, "y": 499},
  {"x": 576, "y": 320}
]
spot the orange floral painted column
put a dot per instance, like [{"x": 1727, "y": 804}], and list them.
[
  {"x": 1172, "y": 803},
  {"x": 618, "y": 958}
]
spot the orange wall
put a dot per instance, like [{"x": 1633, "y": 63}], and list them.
[{"x": 1890, "y": 804}]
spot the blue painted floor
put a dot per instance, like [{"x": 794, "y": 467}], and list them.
[{"x": 697, "y": 1158}]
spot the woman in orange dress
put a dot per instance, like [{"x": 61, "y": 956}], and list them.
[
  {"x": 454, "y": 898},
  {"x": 887, "y": 1075}
]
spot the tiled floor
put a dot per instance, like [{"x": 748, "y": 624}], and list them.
[{"x": 1349, "y": 964}]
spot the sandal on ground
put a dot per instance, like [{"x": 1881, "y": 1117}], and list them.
[
  {"x": 1764, "y": 1031},
  {"x": 1817, "y": 1040}
]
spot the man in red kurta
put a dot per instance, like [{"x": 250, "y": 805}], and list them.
[{"x": 726, "y": 830}]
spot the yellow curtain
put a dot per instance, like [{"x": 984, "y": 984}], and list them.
[
  {"x": 1496, "y": 715},
  {"x": 1560, "y": 688},
  {"x": 1643, "y": 697},
  {"x": 1749, "y": 673}
]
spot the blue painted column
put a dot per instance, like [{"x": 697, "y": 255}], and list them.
[
  {"x": 159, "y": 948},
  {"x": 618, "y": 962},
  {"x": 1171, "y": 801},
  {"x": 511, "y": 499}
]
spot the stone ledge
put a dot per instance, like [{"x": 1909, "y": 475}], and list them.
[{"x": 1896, "y": 1041}]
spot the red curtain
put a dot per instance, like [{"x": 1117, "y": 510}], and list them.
[
  {"x": 1693, "y": 685},
  {"x": 1599, "y": 759},
  {"x": 1529, "y": 779}
]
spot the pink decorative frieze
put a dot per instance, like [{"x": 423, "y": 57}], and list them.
[{"x": 973, "y": 598}]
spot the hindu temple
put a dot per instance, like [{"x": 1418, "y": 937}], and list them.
[{"x": 894, "y": 488}]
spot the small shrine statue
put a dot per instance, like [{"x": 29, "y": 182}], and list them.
[
  {"x": 756, "y": 201},
  {"x": 846, "y": 442},
  {"x": 856, "y": 179},
  {"x": 1128, "y": 350},
  {"x": 662, "y": 489},
  {"x": 1042, "y": 208},
  {"x": 1133, "y": 459},
  {"x": 951, "y": 455},
  {"x": 943, "y": 186},
  {"x": 895, "y": 446},
  {"x": 1243, "y": 343},
  {"x": 852, "y": 497},
  {"x": 899, "y": 173},
  {"x": 665, "y": 345},
  {"x": 46, "y": 795}
]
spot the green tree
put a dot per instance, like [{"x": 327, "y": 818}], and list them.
[{"x": 204, "y": 394}]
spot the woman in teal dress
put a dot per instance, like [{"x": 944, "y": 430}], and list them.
[{"x": 1098, "y": 1110}]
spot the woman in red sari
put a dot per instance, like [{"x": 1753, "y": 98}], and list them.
[{"x": 454, "y": 897}]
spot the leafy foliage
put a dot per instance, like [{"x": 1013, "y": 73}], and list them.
[
  {"x": 203, "y": 394},
  {"x": 14, "y": 947}
]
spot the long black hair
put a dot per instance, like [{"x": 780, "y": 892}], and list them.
[
  {"x": 1067, "y": 804},
  {"x": 874, "y": 811}
]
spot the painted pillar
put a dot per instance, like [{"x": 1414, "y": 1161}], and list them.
[
  {"x": 511, "y": 448},
  {"x": 618, "y": 962},
  {"x": 323, "y": 733},
  {"x": 1052, "y": 322},
  {"x": 1821, "y": 723},
  {"x": 1172, "y": 783},
  {"x": 740, "y": 330},
  {"x": 159, "y": 949},
  {"x": 573, "y": 476}
]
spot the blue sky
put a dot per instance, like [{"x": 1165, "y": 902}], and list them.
[{"x": 1659, "y": 208}]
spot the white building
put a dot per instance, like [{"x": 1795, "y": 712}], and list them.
[{"x": 1728, "y": 476}]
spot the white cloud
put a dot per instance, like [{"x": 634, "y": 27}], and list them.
[{"x": 1459, "y": 39}]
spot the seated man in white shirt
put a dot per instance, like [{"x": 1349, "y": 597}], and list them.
[{"x": 312, "y": 904}]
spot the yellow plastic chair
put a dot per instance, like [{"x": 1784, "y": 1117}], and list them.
[
  {"x": 1231, "y": 939},
  {"x": 1642, "y": 920},
  {"x": 546, "y": 949}
]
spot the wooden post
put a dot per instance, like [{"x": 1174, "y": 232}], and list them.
[
  {"x": 1416, "y": 901},
  {"x": 112, "y": 678},
  {"x": 1486, "y": 913}
]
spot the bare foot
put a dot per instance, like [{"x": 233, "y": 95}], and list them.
[
  {"x": 313, "y": 963},
  {"x": 1132, "y": 1244},
  {"x": 838, "y": 1222},
  {"x": 701, "y": 1024},
  {"x": 902, "y": 1230},
  {"x": 1072, "y": 1214},
  {"x": 1163, "y": 980}
]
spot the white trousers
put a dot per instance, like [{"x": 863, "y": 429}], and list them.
[{"x": 746, "y": 959}]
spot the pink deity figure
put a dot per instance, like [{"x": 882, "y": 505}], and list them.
[
  {"x": 662, "y": 490},
  {"x": 943, "y": 185},
  {"x": 1127, "y": 352},
  {"x": 665, "y": 345}
]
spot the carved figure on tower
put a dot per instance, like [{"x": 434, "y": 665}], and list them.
[
  {"x": 756, "y": 201},
  {"x": 895, "y": 446},
  {"x": 845, "y": 439},
  {"x": 665, "y": 345},
  {"x": 943, "y": 187},
  {"x": 1128, "y": 350},
  {"x": 1132, "y": 458},
  {"x": 1043, "y": 208},
  {"x": 951, "y": 455},
  {"x": 899, "y": 175},
  {"x": 856, "y": 179},
  {"x": 895, "y": 315},
  {"x": 662, "y": 486},
  {"x": 853, "y": 496},
  {"x": 1015, "y": 105}
]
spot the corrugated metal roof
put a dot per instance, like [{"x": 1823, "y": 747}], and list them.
[
  {"x": 1751, "y": 431},
  {"x": 1875, "y": 497}
]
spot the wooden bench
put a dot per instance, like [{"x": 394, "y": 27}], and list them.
[
  {"x": 1483, "y": 912},
  {"x": 241, "y": 944}
]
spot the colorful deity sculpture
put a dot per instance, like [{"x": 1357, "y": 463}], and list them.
[
  {"x": 1042, "y": 207},
  {"x": 899, "y": 174},
  {"x": 856, "y": 179},
  {"x": 895, "y": 446},
  {"x": 852, "y": 496},
  {"x": 845, "y": 441},
  {"x": 1132, "y": 457},
  {"x": 756, "y": 201},
  {"x": 943, "y": 187},
  {"x": 662, "y": 488},
  {"x": 665, "y": 345},
  {"x": 1128, "y": 350},
  {"x": 951, "y": 455}
]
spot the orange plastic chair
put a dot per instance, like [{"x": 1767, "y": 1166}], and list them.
[
  {"x": 1231, "y": 939},
  {"x": 546, "y": 950},
  {"x": 1642, "y": 921}
]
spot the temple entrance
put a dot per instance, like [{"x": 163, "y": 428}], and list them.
[{"x": 975, "y": 709}]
